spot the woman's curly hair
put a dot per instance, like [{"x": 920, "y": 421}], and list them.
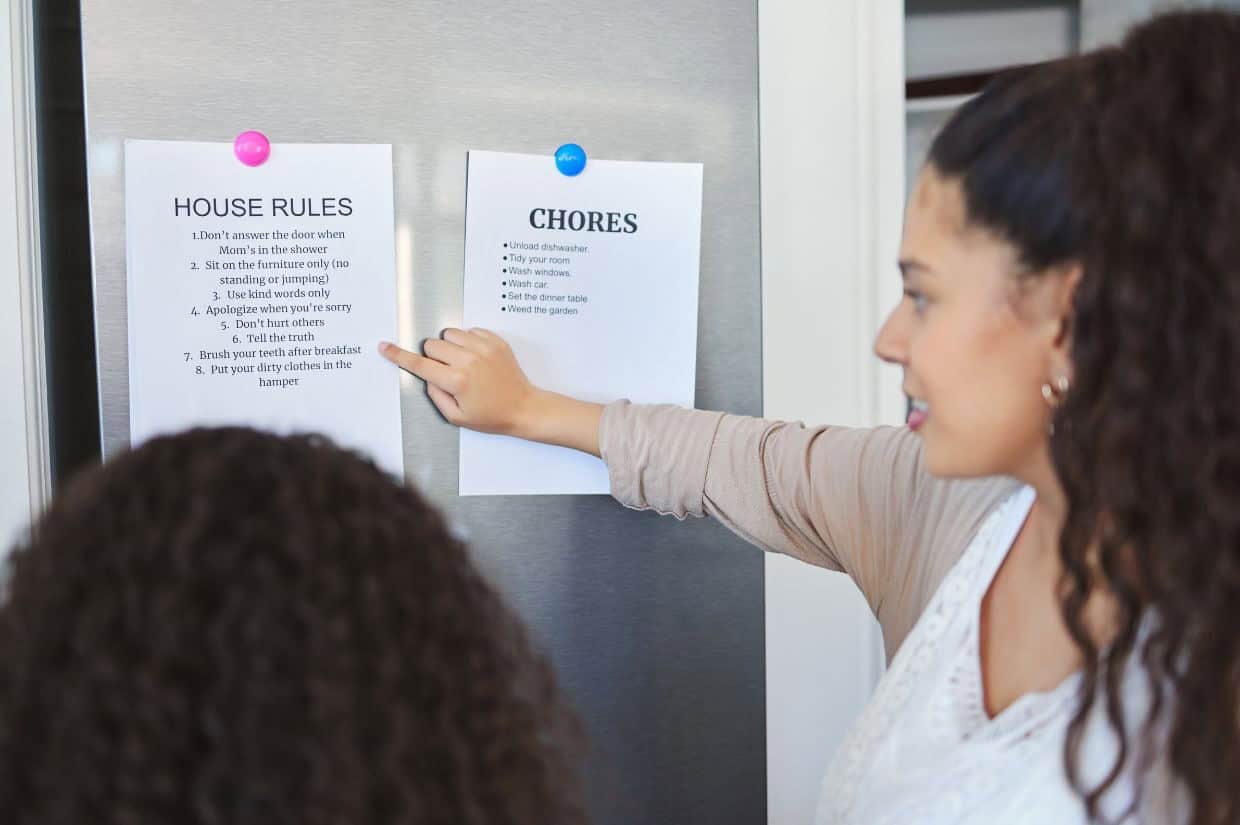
[
  {"x": 1127, "y": 160},
  {"x": 227, "y": 627}
]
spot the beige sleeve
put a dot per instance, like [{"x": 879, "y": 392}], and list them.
[{"x": 852, "y": 500}]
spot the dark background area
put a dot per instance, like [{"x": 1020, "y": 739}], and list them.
[{"x": 65, "y": 240}]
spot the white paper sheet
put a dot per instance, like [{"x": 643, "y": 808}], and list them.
[
  {"x": 267, "y": 315},
  {"x": 593, "y": 280}
]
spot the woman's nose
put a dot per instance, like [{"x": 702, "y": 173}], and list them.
[{"x": 891, "y": 345}]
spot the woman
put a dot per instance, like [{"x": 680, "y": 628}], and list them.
[
  {"x": 1052, "y": 545},
  {"x": 232, "y": 628}
]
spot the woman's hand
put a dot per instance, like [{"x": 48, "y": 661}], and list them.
[
  {"x": 474, "y": 380},
  {"x": 472, "y": 377}
]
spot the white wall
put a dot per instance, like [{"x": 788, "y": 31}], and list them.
[
  {"x": 23, "y": 478},
  {"x": 832, "y": 154}
]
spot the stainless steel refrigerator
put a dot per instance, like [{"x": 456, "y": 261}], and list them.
[{"x": 655, "y": 626}]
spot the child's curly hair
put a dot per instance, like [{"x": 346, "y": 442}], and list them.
[{"x": 232, "y": 628}]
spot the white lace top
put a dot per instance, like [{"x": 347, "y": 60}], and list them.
[{"x": 925, "y": 751}]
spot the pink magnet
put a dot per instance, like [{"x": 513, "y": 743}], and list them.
[{"x": 252, "y": 148}]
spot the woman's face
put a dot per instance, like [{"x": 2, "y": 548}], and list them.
[{"x": 975, "y": 352}]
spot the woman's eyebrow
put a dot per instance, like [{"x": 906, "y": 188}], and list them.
[{"x": 908, "y": 266}]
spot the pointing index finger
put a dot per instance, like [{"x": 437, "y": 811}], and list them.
[{"x": 428, "y": 369}]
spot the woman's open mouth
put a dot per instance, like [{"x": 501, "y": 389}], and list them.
[{"x": 918, "y": 414}]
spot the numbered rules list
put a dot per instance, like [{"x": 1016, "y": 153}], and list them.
[{"x": 256, "y": 295}]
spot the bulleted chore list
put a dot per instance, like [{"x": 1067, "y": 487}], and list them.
[{"x": 593, "y": 280}]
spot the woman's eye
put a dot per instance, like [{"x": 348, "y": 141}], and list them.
[{"x": 919, "y": 299}]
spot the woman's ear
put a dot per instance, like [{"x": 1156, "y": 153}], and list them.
[
  {"x": 1046, "y": 305},
  {"x": 1061, "y": 284},
  {"x": 1067, "y": 278}
]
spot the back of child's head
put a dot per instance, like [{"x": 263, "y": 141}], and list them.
[{"x": 233, "y": 628}]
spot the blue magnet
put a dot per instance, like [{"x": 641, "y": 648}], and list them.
[{"x": 570, "y": 159}]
